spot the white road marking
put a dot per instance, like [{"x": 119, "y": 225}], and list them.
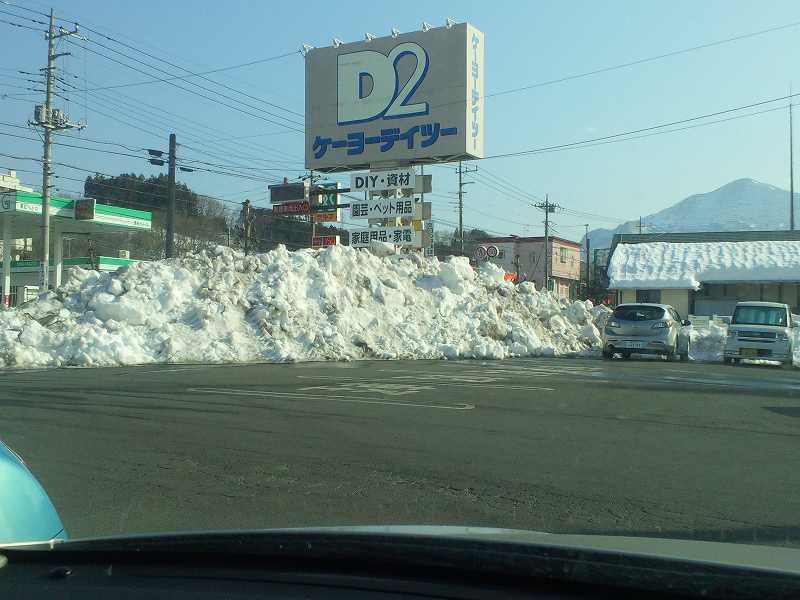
[
  {"x": 393, "y": 389},
  {"x": 176, "y": 370},
  {"x": 376, "y": 387},
  {"x": 296, "y": 396}
]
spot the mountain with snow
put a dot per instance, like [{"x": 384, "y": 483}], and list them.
[{"x": 744, "y": 204}]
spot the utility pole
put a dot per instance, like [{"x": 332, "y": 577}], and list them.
[
  {"x": 246, "y": 226},
  {"x": 586, "y": 240},
  {"x": 791, "y": 170},
  {"x": 51, "y": 120},
  {"x": 461, "y": 184},
  {"x": 548, "y": 208},
  {"x": 640, "y": 225},
  {"x": 170, "y": 249},
  {"x": 311, "y": 204}
]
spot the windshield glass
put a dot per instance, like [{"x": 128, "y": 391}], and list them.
[
  {"x": 638, "y": 313},
  {"x": 759, "y": 315},
  {"x": 270, "y": 265}
]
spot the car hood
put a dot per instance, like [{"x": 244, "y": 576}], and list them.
[
  {"x": 26, "y": 513},
  {"x": 770, "y": 558}
]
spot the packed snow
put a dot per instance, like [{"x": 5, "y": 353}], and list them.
[
  {"x": 686, "y": 265},
  {"x": 332, "y": 304}
]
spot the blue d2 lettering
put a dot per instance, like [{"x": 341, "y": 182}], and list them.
[{"x": 368, "y": 85}]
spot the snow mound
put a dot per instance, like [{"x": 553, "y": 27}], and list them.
[{"x": 332, "y": 304}]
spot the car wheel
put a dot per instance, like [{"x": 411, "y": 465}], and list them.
[{"x": 607, "y": 355}]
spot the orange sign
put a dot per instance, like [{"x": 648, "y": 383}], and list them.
[{"x": 324, "y": 216}]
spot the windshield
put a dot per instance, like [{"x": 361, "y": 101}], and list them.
[
  {"x": 760, "y": 315},
  {"x": 638, "y": 313},
  {"x": 270, "y": 265}
]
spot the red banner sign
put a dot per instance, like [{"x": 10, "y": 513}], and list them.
[
  {"x": 324, "y": 240},
  {"x": 292, "y": 208}
]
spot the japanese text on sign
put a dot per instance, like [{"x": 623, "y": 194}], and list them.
[
  {"x": 356, "y": 141},
  {"x": 475, "y": 94},
  {"x": 291, "y": 208},
  {"x": 376, "y": 181},
  {"x": 382, "y": 209},
  {"x": 400, "y": 236}
]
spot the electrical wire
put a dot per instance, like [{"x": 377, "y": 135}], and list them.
[
  {"x": 642, "y": 129},
  {"x": 20, "y": 25},
  {"x": 113, "y": 103},
  {"x": 194, "y": 92}
]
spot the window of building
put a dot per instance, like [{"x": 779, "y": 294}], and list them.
[
  {"x": 563, "y": 254},
  {"x": 648, "y": 296}
]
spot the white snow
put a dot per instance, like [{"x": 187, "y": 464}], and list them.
[
  {"x": 685, "y": 265},
  {"x": 708, "y": 343},
  {"x": 333, "y": 304}
]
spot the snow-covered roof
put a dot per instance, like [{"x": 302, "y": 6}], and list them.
[{"x": 662, "y": 265}]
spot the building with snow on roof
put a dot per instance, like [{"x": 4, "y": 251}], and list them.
[{"x": 706, "y": 273}]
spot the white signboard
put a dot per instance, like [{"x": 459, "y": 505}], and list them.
[
  {"x": 400, "y": 236},
  {"x": 430, "y": 250},
  {"x": 383, "y": 208},
  {"x": 410, "y": 97},
  {"x": 383, "y": 181}
]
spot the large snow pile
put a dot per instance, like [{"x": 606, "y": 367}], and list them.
[
  {"x": 708, "y": 343},
  {"x": 334, "y": 304},
  {"x": 686, "y": 265}
]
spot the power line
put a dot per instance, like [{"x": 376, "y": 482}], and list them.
[
  {"x": 117, "y": 105},
  {"x": 201, "y": 73},
  {"x": 640, "y": 130},
  {"x": 644, "y": 60},
  {"x": 20, "y": 25},
  {"x": 196, "y": 125},
  {"x": 196, "y": 93}
]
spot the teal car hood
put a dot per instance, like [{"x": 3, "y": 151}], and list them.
[{"x": 26, "y": 512}]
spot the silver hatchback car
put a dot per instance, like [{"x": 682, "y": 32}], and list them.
[{"x": 646, "y": 329}]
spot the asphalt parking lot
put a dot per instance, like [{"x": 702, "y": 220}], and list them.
[{"x": 695, "y": 450}]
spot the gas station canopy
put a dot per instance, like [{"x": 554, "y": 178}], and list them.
[
  {"x": 25, "y": 210},
  {"x": 21, "y": 217}
]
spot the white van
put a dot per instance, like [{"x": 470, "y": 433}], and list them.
[{"x": 760, "y": 330}]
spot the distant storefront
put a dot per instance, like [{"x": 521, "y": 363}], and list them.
[
  {"x": 526, "y": 258},
  {"x": 707, "y": 273}
]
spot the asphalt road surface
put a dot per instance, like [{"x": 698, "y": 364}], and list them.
[{"x": 639, "y": 448}]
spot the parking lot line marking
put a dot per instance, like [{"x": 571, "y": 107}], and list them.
[{"x": 296, "y": 396}]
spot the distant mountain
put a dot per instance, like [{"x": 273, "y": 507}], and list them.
[{"x": 737, "y": 206}]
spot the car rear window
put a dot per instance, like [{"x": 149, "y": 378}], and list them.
[
  {"x": 633, "y": 312},
  {"x": 760, "y": 315}
]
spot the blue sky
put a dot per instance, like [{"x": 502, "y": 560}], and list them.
[{"x": 526, "y": 43}]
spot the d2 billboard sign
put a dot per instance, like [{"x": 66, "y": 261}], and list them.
[{"x": 413, "y": 98}]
